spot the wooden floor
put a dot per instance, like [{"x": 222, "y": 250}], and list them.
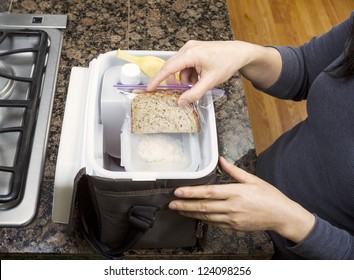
[{"x": 280, "y": 22}]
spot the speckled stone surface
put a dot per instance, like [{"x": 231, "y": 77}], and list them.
[{"x": 99, "y": 26}]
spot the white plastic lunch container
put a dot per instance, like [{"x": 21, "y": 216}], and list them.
[{"x": 92, "y": 136}]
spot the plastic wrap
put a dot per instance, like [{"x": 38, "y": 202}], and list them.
[{"x": 159, "y": 112}]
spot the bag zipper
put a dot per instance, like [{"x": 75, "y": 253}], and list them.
[{"x": 199, "y": 231}]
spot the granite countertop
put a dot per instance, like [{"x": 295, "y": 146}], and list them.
[{"x": 96, "y": 27}]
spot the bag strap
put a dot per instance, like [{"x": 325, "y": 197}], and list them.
[{"x": 140, "y": 218}]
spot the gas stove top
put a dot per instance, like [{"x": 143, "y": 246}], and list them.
[{"x": 30, "y": 47}]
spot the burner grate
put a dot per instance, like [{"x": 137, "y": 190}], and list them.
[{"x": 14, "y": 171}]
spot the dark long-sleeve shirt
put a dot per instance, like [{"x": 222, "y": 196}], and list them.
[{"x": 313, "y": 163}]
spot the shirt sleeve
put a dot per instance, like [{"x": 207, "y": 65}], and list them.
[
  {"x": 326, "y": 241},
  {"x": 301, "y": 65}
]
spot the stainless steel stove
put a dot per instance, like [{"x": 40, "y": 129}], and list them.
[{"x": 30, "y": 48}]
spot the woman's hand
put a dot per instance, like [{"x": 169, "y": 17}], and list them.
[
  {"x": 250, "y": 205},
  {"x": 208, "y": 64},
  {"x": 204, "y": 64}
]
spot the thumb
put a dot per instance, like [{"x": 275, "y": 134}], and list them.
[
  {"x": 195, "y": 92},
  {"x": 237, "y": 173}
]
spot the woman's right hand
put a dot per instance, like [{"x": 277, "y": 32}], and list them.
[{"x": 205, "y": 65}]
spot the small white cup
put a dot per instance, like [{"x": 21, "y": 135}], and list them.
[{"x": 130, "y": 74}]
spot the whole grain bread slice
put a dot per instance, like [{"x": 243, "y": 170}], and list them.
[{"x": 159, "y": 112}]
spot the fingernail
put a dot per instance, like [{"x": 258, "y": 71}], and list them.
[
  {"x": 148, "y": 87},
  {"x": 178, "y": 192},
  {"x": 183, "y": 102},
  {"x": 172, "y": 206}
]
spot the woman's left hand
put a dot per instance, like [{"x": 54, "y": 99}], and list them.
[{"x": 250, "y": 205}]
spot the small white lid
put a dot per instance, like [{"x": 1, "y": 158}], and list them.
[{"x": 130, "y": 74}]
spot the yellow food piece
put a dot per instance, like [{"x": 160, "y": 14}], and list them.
[{"x": 149, "y": 65}]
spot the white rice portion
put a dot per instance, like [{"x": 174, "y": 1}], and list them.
[{"x": 160, "y": 148}]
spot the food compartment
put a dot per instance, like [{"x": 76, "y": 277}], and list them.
[
  {"x": 112, "y": 150},
  {"x": 162, "y": 152}
]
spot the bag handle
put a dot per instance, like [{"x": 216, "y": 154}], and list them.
[{"x": 140, "y": 219}]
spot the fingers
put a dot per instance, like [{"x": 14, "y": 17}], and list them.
[
  {"x": 190, "y": 65},
  {"x": 210, "y": 212},
  {"x": 201, "y": 206},
  {"x": 173, "y": 65},
  {"x": 161, "y": 76},
  {"x": 196, "y": 91},
  {"x": 220, "y": 192},
  {"x": 237, "y": 173},
  {"x": 209, "y": 200}
]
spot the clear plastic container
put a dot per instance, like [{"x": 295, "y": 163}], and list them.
[{"x": 163, "y": 152}]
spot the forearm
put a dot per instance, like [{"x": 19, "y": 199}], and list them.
[
  {"x": 264, "y": 66},
  {"x": 326, "y": 241}
]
